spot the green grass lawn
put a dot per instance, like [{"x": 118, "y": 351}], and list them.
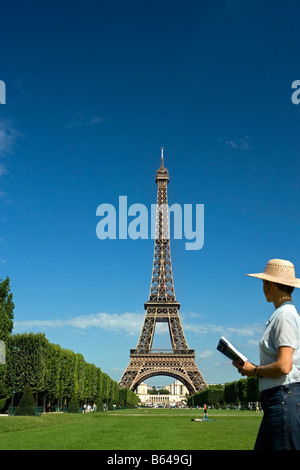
[{"x": 152, "y": 429}]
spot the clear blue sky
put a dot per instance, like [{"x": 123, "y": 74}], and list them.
[{"x": 93, "y": 90}]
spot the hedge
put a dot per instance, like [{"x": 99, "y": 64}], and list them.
[
  {"x": 55, "y": 375},
  {"x": 240, "y": 392}
]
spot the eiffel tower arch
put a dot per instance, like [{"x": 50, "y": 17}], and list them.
[{"x": 178, "y": 362}]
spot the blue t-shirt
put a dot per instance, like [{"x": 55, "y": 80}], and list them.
[{"x": 282, "y": 329}]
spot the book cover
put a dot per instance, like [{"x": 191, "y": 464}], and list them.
[{"x": 226, "y": 348}]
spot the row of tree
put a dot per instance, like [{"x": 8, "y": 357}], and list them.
[
  {"x": 53, "y": 373},
  {"x": 240, "y": 392}
]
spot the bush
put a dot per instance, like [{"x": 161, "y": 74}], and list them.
[
  {"x": 99, "y": 404},
  {"x": 27, "y": 406},
  {"x": 3, "y": 404},
  {"x": 73, "y": 406}
]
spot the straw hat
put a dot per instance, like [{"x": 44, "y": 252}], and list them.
[{"x": 279, "y": 271}]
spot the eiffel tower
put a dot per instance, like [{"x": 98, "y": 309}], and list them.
[{"x": 178, "y": 362}]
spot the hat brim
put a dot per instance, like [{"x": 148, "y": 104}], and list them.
[{"x": 292, "y": 283}]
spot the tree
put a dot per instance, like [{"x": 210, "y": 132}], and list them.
[
  {"x": 6, "y": 310},
  {"x": 99, "y": 403},
  {"x": 29, "y": 355},
  {"x": 252, "y": 389},
  {"x": 105, "y": 387},
  {"x": 231, "y": 393},
  {"x": 73, "y": 406},
  {"x": 53, "y": 374},
  {"x": 6, "y": 325},
  {"x": 80, "y": 378},
  {"x": 27, "y": 406},
  {"x": 66, "y": 378},
  {"x": 91, "y": 382},
  {"x": 242, "y": 391}
]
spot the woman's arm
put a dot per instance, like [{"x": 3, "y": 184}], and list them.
[{"x": 282, "y": 366}]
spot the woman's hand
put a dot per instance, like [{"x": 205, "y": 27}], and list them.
[
  {"x": 282, "y": 366},
  {"x": 247, "y": 368}
]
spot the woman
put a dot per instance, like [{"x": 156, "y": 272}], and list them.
[{"x": 279, "y": 369}]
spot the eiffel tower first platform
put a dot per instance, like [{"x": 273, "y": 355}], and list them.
[{"x": 178, "y": 362}]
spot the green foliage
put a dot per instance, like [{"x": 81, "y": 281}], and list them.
[
  {"x": 211, "y": 396},
  {"x": 99, "y": 403},
  {"x": 27, "y": 405},
  {"x": 56, "y": 375},
  {"x": 28, "y": 358},
  {"x": 6, "y": 310},
  {"x": 3, "y": 404},
  {"x": 6, "y": 325},
  {"x": 128, "y": 398},
  {"x": 252, "y": 389},
  {"x": 230, "y": 392},
  {"x": 240, "y": 392},
  {"x": 73, "y": 406}
]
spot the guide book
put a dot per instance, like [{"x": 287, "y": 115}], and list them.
[{"x": 226, "y": 348}]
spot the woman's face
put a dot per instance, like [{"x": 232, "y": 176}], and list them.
[{"x": 268, "y": 291}]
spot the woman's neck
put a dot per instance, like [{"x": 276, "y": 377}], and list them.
[{"x": 281, "y": 300}]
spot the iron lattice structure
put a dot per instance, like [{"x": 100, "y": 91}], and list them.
[{"x": 179, "y": 362}]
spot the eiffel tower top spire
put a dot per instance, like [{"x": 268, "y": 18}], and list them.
[
  {"x": 162, "y": 289},
  {"x": 162, "y": 173},
  {"x": 162, "y": 157}
]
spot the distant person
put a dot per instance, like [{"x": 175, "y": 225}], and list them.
[
  {"x": 205, "y": 410},
  {"x": 279, "y": 370}
]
